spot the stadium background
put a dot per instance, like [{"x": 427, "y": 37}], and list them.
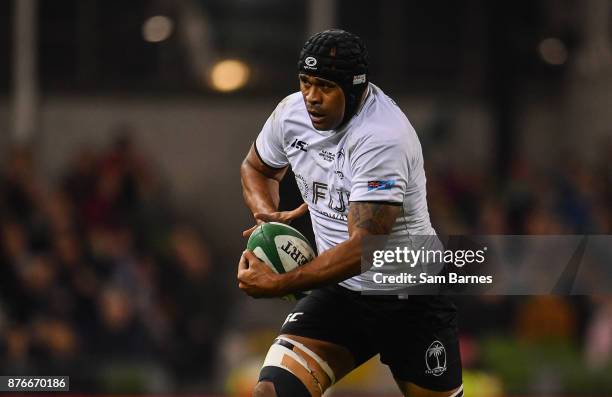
[{"x": 120, "y": 204}]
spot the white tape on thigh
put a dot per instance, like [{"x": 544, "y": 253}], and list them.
[
  {"x": 314, "y": 356},
  {"x": 284, "y": 357},
  {"x": 276, "y": 354}
]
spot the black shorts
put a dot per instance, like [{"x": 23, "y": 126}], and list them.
[{"x": 415, "y": 337}]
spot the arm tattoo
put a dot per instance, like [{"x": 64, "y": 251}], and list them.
[{"x": 375, "y": 218}]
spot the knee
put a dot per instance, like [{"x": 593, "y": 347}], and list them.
[
  {"x": 264, "y": 389},
  {"x": 411, "y": 390}
]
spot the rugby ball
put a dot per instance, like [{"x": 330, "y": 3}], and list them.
[{"x": 282, "y": 248}]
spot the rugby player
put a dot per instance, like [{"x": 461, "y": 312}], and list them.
[{"x": 359, "y": 165}]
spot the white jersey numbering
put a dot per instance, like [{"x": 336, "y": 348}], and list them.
[{"x": 376, "y": 157}]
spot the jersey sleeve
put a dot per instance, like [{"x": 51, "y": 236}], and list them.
[
  {"x": 269, "y": 143},
  {"x": 381, "y": 170}
]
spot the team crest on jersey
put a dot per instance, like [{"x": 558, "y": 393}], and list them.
[
  {"x": 341, "y": 158},
  {"x": 380, "y": 185},
  {"x": 435, "y": 359},
  {"x": 340, "y": 164}
]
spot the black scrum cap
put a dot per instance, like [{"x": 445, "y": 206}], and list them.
[{"x": 341, "y": 57}]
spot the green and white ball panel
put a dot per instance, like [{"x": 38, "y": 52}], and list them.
[
  {"x": 281, "y": 247},
  {"x": 260, "y": 253}
]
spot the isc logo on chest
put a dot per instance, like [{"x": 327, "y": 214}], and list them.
[{"x": 301, "y": 145}]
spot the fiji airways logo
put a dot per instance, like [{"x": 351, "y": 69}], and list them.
[
  {"x": 435, "y": 359},
  {"x": 310, "y": 63}
]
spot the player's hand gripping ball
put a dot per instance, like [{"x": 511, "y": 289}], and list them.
[{"x": 282, "y": 248}]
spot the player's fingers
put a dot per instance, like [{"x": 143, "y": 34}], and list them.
[
  {"x": 260, "y": 216},
  {"x": 243, "y": 264},
  {"x": 243, "y": 276},
  {"x": 299, "y": 211},
  {"x": 249, "y": 256},
  {"x": 249, "y": 231}
]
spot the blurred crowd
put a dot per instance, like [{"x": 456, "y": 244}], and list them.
[
  {"x": 569, "y": 196},
  {"x": 98, "y": 269}
]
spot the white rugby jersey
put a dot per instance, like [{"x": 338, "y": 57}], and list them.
[{"x": 376, "y": 156}]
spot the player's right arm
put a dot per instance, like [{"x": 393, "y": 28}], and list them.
[{"x": 260, "y": 184}]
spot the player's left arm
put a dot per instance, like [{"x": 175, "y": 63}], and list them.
[
  {"x": 344, "y": 260},
  {"x": 334, "y": 265}
]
